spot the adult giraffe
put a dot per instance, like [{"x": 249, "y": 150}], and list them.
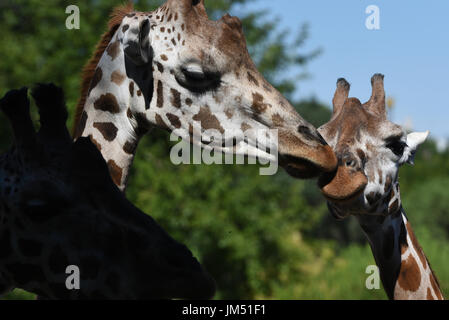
[
  {"x": 173, "y": 68},
  {"x": 60, "y": 208},
  {"x": 370, "y": 149}
]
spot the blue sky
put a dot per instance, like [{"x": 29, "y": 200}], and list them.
[{"x": 411, "y": 49}]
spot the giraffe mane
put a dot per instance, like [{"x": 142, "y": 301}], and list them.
[{"x": 116, "y": 18}]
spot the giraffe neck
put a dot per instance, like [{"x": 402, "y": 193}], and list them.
[
  {"x": 116, "y": 109},
  {"x": 404, "y": 269}
]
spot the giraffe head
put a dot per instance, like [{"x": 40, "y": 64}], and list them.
[
  {"x": 370, "y": 149},
  {"x": 176, "y": 69},
  {"x": 59, "y": 207}
]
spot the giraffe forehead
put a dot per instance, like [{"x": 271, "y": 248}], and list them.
[
  {"x": 195, "y": 31},
  {"x": 355, "y": 125},
  {"x": 178, "y": 35}
]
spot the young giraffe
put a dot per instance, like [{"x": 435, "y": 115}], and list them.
[
  {"x": 59, "y": 207},
  {"x": 370, "y": 149},
  {"x": 175, "y": 69}
]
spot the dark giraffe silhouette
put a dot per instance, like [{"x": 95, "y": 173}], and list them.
[{"x": 59, "y": 207}]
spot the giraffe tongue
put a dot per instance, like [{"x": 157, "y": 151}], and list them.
[{"x": 343, "y": 184}]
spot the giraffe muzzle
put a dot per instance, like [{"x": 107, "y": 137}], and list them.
[{"x": 343, "y": 185}]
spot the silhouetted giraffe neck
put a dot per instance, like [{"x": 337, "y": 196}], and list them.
[
  {"x": 404, "y": 269},
  {"x": 60, "y": 211}
]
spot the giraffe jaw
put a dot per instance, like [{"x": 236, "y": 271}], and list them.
[
  {"x": 356, "y": 205},
  {"x": 307, "y": 163},
  {"x": 300, "y": 168}
]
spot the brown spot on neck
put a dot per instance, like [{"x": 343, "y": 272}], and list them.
[
  {"x": 115, "y": 171},
  {"x": 160, "y": 122},
  {"x": 107, "y": 129},
  {"x": 113, "y": 49},
  {"x": 107, "y": 102},
  {"x": 160, "y": 94},
  {"x": 176, "y": 98},
  {"x": 409, "y": 275},
  {"x": 117, "y": 77},
  {"x": 174, "y": 120},
  {"x": 208, "y": 120},
  {"x": 130, "y": 147},
  {"x": 160, "y": 67}
]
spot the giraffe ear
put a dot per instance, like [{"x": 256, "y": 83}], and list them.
[
  {"x": 414, "y": 140},
  {"x": 136, "y": 42}
]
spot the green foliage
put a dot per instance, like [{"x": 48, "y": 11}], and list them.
[
  {"x": 431, "y": 212},
  {"x": 261, "y": 237},
  {"x": 19, "y": 294},
  {"x": 314, "y": 112},
  {"x": 343, "y": 276}
]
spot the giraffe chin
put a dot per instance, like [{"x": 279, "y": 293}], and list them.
[
  {"x": 356, "y": 205},
  {"x": 300, "y": 168},
  {"x": 308, "y": 164}
]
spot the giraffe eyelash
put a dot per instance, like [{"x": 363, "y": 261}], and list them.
[{"x": 198, "y": 82}]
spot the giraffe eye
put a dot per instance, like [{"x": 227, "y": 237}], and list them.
[
  {"x": 195, "y": 74},
  {"x": 397, "y": 147},
  {"x": 193, "y": 78}
]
